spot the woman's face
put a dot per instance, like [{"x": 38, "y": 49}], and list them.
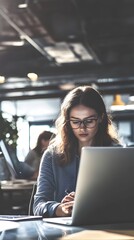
[
  {"x": 44, "y": 144},
  {"x": 84, "y": 122}
]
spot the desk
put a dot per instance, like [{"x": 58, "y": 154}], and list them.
[
  {"x": 40, "y": 230},
  {"x": 16, "y": 195},
  {"x": 17, "y": 184}
]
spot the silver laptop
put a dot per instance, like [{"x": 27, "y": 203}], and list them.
[{"x": 105, "y": 188}]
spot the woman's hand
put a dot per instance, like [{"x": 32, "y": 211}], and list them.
[
  {"x": 69, "y": 197},
  {"x": 65, "y": 208}
]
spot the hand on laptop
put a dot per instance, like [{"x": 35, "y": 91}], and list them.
[
  {"x": 69, "y": 197},
  {"x": 64, "y": 209}
]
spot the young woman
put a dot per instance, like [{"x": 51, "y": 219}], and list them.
[{"x": 83, "y": 121}]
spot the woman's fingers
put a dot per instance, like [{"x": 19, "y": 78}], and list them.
[
  {"x": 67, "y": 207},
  {"x": 64, "y": 209},
  {"x": 69, "y": 197}
]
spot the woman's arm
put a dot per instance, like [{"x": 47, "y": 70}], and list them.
[
  {"x": 44, "y": 203},
  {"x": 50, "y": 199}
]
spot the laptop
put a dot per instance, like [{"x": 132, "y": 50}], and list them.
[
  {"x": 105, "y": 188},
  {"x": 17, "y": 169}
]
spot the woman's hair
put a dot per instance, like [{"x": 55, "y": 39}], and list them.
[
  {"x": 65, "y": 140},
  {"x": 45, "y": 135}
]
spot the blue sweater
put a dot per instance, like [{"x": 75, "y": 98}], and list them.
[{"x": 52, "y": 182}]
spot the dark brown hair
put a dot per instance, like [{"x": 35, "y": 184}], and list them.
[
  {"x": 45, "y": 135},
  {"x": 65, "y": 141}
]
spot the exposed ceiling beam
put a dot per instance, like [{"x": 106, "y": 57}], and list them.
[{"x": 23, "y": 35}]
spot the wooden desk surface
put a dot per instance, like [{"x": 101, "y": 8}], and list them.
[{"x": 101, "y": 235}]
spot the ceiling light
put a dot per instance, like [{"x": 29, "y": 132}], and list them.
[
  {"x": 23, "y": 4},
  {"x": 2, "y": 79},
  {"x": 13, "y": 43},
  {"x": 131, "y": 98},
  {"x": 67, "y": 86},
  {"x": 130, "y": 105},
  {"x": 61, "y": 53},
  {"x": 117, "y": 100},
  {"x": 66, "y": 53},
  {"x": 81, "y": 51},
  {"x": 32, "y": 76},
  {"x": 117, "y": 104}
]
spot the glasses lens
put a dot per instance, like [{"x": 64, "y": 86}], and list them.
[
  {"x": 88, "y": 123},
  {"x": 75, "y": 123}
]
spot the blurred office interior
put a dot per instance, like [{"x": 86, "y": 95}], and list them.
[{"x": 48, "y": 47}]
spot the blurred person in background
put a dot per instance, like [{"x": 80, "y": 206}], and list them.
[{"x": 34, "y": 155}]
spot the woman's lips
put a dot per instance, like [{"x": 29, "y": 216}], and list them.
[{"x": 83, "y": 135}]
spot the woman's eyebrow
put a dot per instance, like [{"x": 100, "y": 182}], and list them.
[{"x": 92, "y": 116}]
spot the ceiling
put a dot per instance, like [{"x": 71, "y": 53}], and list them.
[{"x": 65, "y": 42}]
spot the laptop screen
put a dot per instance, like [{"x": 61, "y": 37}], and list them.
[{"x": 19, "y": 170}]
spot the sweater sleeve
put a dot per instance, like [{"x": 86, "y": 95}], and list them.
[{"x": 44, "y": 203}]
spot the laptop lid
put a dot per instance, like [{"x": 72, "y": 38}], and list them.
[
  {"x": 105, "y": 187},
  {"x": 19, "y": 170}
]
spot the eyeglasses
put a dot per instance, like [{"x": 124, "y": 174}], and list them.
[{"x": 87, "y": 123}]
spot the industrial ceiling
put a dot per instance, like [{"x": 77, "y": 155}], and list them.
[{"x": 66, "y": 43}]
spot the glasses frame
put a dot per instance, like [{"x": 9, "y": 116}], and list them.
[{"x": 84, "y": 122}]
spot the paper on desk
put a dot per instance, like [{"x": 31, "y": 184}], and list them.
[
  {"x": 8, "y": 225},
  {"x": 101, "y": 235}
]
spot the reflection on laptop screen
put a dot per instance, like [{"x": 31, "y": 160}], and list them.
[{"x": 19, "y": 170}]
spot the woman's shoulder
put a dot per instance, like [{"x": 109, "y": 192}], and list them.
[
  {"x": 51, "y": 150},
  {"x": 51, "y": 154}
]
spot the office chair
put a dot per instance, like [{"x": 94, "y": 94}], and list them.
[{"x": 30, "y": 208}]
